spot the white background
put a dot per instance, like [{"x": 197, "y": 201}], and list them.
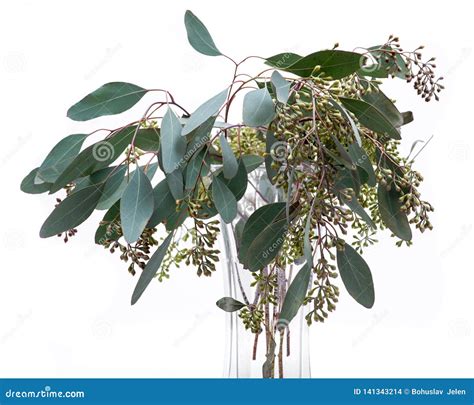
[{"x": 65, "y": 308}]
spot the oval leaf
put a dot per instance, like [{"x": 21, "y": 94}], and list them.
[
  {"x": 173, "y": 144},
  {"x": 389, "y": 208},
  {"x": 150, "y": 269},
  {"x": 205, "y": 111},
  {"x": 198, "y": 35},
  {"x": 258, "y": 109},
  {"x": 230, "y": 164},
  {"x": 356, "y": 276},
  {"x": 29, "y": 186},
  {"x": 136, "y": 206},
  {"x": 72, "y": 211},
  {"x": 224, "y": 200},
  {"x": 228, "y": 304},
  {"x": 252, "y": 162},
  {"x": 176, "y": 184},
  {"x": 165, "y": 204},
  {"x": 111, "y": 98}
]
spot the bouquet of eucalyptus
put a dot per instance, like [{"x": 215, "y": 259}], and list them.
[{"x": 319, "y": 125}]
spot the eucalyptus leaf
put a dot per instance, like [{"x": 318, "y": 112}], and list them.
[
  {"x": 111, "y": 98},
  {"x": 165, "y": 204},
  {"x": 194, "y": 168},
  {"x": 103, "y": 233},
  {"x": 355, "y": 206},
  {"x": 198, "y": 35},
  {"x": 151, "y": 268},
  {"x": 148, "y": 139},
  {"x": 356, "y": 276},
  {"x": 389, "y": 207},
  {"x": 283, "y": 60},
  {"x": 136, "y": 206},
  {"x": 382, "y": 103},
  {"x": 361, "y": 159},
  {"x": 258, "y": 108},
  {"x": 176, "y": 184},
  {"x": 230, "y": 163},
  {"x": 228, "y": 304},
  {"x": 334, "y": 63},
  {"x": 71, "y": 212},
  {"x": 60, "y": 157},
  {"x": 370, "y": 117},
  {"x": 224, "y": 200},
  {"x": 252, "y": 162},
  {"x": 205, "y": 111},
  {"x": 270, "y": 142},
  {"x": 294, "y": 296},
  {"x": 353, "y": 125},
  {"x": 344, "y": 156},
  {"x": 173, "y": 144},
  {"x": 28, "y": 184},
  {"x": 282, "y": 87}
]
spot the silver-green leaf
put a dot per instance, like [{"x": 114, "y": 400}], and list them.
[
  {"x": 224, "y": 200},
  {"x": 205, "y": 111},
  {"x": 258, "y": 108},
  {"x": 198, "y": 35},
  {"x": 172, "y": 143},
  {"x": 230, "y": 164},
  {"x": 282, "y": 87},
  {"x": 136, "y": 206}
]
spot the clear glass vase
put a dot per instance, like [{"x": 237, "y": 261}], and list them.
[{"x": 274, "y": 352}]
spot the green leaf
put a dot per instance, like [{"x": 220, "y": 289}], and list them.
[
  {"x": 72, "y": 211},
  {"x": 379, "y": 67},
  {"x": 308, "y": 253},
  {"x": 294, "y": 296},
  {"x": 344, "y": 156},
  {"x": 224, "y": 200},
  {"x": 230, "y": 164},
  {"x": 356, "y": 276},
  {"x": 111, "y": 98},
  {"x": 29, "y": 186},
  {"x": 198, "y": 35},
  {"x": 344, "y": 112},
  {"x": 283, "y": 60},
  {"x": 194, "y": 168},
  {"x": 333, "y": 63},
  {"x": 173, "y": 144},
  {"x": 258, "y": 109},
  {"x": 282, "y": 87},
  {"x": 150, "y": 269},
  {"x": 407, "y": 117},
  {"x": 205, "y": 111},
  {"x": 136, "y": 206},
  {"x": 263, "y": 236},
  {"x": 165, "y": 204},
  {"x": 200, "y": 136},
  {"x": 370, "y": 117},
  {"x": 237, "y": 184},
  {"x": 389, "y": 207},
  {"x": 102, "y": 234},
  {"x": 228, "y": 304},
  {"x": 60, "y": 157},
  {"x": 148, "y": 139},
  {"x": 361, "y": 159},
  {"x": 95, "y": 157},
  {"x": 383, "y": 104},
  {"x": 175, "y": 220},
  {"x": 252, "y": 162},
  {"x": 176, "y": 184}
]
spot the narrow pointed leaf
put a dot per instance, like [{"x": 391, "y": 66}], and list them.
[
  {"x": 353, "y": 125},
  {"x": 370, "y": 117},
  {"x": 60, "y": 157},
  {"x": 72, "y": 211},
  {"x": 334, "y": 63},
  {"x": 258, "y": 109},
  {"x": 356, "y": 276},
  {"x": 103, "y": 233},
  {"x": 224, "y": 200},
  {"x": 151, "y": 268},
  {"x": 111, "y": 98},
  {"x": 354, "y": 205},
  {"x": 361, "y": 159},
  {"x": 165, "y": 204},
  {"x": 283, "y": 60},
  {"x": 195, "y": 167},
  {"x": 294, "y": 296},
  {"x": 393, "y": 218},
  {"x": 172, "y": 143},
  {"x": 382, "y": 103},
  {"x": 252, "y": 162},
  {"x": 230, "y": 164},
  {"x": 282, "y": 87},
  {"x": 176, "y": 184},
  {"x": 205, "y": 111},
  {"x": 136, "y": 206},
  {"x": 198, "y": 35}
]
